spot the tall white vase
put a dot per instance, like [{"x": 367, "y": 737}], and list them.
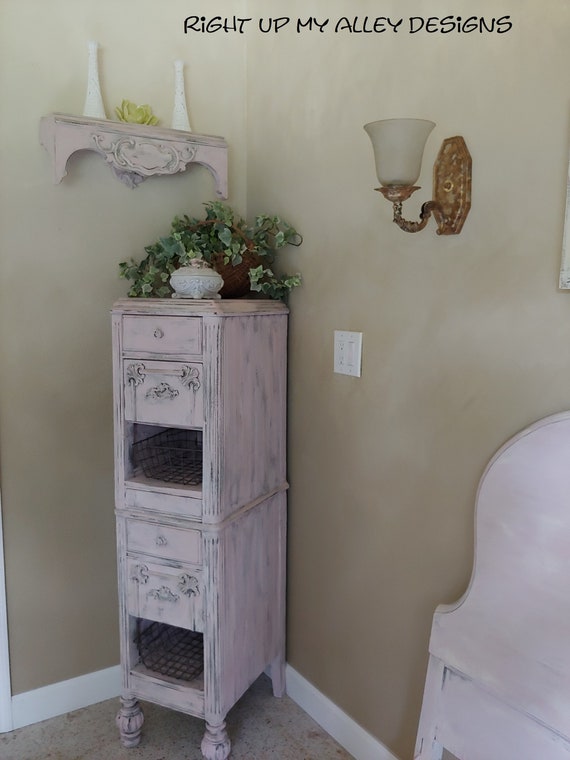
[
  {"x": 93, "y": 101},
  {"x": 179, "y": 113}
]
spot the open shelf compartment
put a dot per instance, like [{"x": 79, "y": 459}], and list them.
[
  {"x": 172, "y": 455},
  {"x": 167, "y": 651}
]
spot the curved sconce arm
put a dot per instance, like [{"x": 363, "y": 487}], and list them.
[
  {"x": 397, "y": 195},
  {"x": 425, "y": 213}
]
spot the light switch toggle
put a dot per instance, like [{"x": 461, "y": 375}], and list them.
[{"x": 347, "y": 352}]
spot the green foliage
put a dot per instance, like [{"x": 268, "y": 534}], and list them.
[
  {"x": 263, "y": 280},
  {"x": 220, "y": 237}
]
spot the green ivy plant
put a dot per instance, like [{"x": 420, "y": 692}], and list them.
[{"x": 221, "y": 238}]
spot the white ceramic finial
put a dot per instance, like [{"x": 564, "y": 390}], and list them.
[
  {"x": 93, "y": 101},
  {"x": 180, "y": 114}
]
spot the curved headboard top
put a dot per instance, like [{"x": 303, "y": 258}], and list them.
[{"x": 511, "y": 629}]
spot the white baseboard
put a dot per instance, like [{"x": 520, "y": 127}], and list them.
[
  {"x": 351, "y": 736},
  {"x": 64, "y": 696}
]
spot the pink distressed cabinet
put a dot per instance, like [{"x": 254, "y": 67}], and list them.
[{"x": 200, "y": 412}]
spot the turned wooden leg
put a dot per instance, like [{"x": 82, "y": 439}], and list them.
[
  {"x": 277, "y": 675},
  {"x": 216, "y": 744},
  {"x": 129, "y": 720}
]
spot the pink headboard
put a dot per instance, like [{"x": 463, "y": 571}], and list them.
[{"x": 510, "y": 632}]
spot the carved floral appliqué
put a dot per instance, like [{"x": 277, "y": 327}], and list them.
[
  {"x": 162, "y": 391},
  {"x": 163, "y": 594},
  {"x": 190, "y": 377},
  {"x": 188, "y": 585},
  {"x": 136, "y": 374},
  {"x": 140, "y": 574}
]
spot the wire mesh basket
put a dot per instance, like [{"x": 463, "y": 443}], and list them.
[
  {"x": 173, "y": 456},
  {"x": 170, "y": 651}
]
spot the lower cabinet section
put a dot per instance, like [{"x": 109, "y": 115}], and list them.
[{"x": 196, "y": 636}]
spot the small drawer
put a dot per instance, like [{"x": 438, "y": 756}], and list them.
[
  {"x": 172, "y": 595},
  {"x": 164, "y": 541},
  {"x": 161, "y": 501},
  {"x": 164, "y": 393},
  {"x": 162, "y": 335}
]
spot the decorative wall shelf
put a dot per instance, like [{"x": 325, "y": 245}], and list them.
[{"x": 133, "y": 151}]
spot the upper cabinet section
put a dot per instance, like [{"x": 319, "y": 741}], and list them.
[{"x": 134, "y": 152}]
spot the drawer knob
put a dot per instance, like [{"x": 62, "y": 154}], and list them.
[
  {"x": 161, "y": 540},
  {"x": 158, "y": 333}
]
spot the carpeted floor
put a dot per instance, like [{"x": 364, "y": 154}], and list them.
[{"x": 260, "y": 727}]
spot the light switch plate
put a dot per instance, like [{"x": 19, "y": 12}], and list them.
[{"x": 347, "y": 352}]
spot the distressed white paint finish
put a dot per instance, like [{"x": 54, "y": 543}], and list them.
[
  {"x": 186, "y": 503},
  {"x": 498, "y": 683},
  {"x": 164, "y": 541},
  {"x": 156, "y": 592},
  {"x": 163, "y": 335},
  {"x": 209, "y": 558},
  {"x": 164, "y": 393},
  {"x": 253, "y": 347},
  {"x": 133, "y": 151}
]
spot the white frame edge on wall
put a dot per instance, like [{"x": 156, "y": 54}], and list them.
[
  {"x": 565, "y": 266},
  {"x": 6, "y": 723}
]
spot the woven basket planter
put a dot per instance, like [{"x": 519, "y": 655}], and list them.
[{"x": 236, "y": 278}]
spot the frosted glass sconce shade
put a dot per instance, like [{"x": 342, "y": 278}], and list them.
[{"x": 398, "y": 146}]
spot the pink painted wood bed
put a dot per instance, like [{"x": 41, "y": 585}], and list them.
[{"x": 498, "y": 681}]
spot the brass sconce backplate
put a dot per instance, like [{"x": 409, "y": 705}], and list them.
[{"x": 452, "y": 184}]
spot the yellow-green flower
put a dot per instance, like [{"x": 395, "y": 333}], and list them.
[{"x": 134, "y": 114}]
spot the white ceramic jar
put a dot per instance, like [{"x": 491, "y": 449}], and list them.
[{"x": 197, "y": 280}]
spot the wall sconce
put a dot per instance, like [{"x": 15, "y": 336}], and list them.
[{"x": 398, "y": 148}]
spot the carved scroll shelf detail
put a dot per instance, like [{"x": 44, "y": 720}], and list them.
[
  {"x": 134, "y": 152},
  {"x": 137, "y": 159}
]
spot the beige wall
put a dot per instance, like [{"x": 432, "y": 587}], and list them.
[
  {"x": 59, "y": 250},
  {"x": 464, "y": 338}
]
